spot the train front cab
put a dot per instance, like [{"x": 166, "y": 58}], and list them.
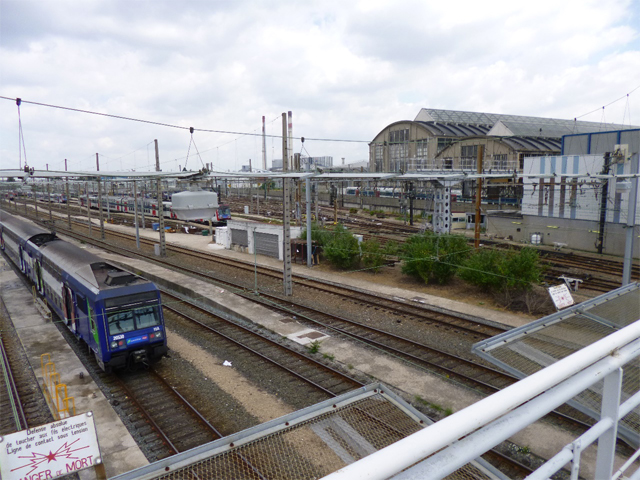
[
  {"x": 132, "y": 327},
  {"x": 223, "y": 213}
]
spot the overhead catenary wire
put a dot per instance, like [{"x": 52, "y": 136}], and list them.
[
  {"x": 608, "y": 104},
  {"x": 162, "y": 124},
  {"x": 21, "y": 146}
]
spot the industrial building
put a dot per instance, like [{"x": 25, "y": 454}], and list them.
[
  {"x": 581, "y": 213},
  {"x": 449, "y": 140}
]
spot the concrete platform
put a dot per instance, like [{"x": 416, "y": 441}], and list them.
[{"x": 38, "y": 336}]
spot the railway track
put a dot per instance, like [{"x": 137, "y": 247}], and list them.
[
  {"x": 157, "y": 415},
  {"x": 596, "y": 274},
  {"x": 13, "y": 418},
  {"x": 164, "y": 442},
  {"x": 472, "y": 374},
  {"x": 310, "y": 374},
  {"x": 22, "y": 403},
  {"x": 456, "y": 323}
]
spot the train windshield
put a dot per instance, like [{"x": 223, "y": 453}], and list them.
[
  {"x": 134, "y": 319},
  {"x": 132, "y": 312},
  {"x": 224, "y": 210}
]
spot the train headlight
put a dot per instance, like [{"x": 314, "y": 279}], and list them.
[
  {"x": 114, "y": 345},
  {"x": 156, "y": 335}
]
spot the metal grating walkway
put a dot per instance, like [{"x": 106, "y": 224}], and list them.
[
  {"x": 308, "y": 444},
  {"x": 526, "y": 350}
]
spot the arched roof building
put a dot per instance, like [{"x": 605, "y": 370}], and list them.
[{"x": 447, "y": 139}]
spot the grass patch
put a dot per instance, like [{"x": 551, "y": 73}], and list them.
[{"x": 314, "y": 347}]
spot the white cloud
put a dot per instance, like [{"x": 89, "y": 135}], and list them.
[{"x": 345, "y": 69}]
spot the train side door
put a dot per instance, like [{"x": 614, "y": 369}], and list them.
[
  {"x": 69, "y": 307},
  {"x": 23, "y": 262},
  {"x": 38, "y": 276}
]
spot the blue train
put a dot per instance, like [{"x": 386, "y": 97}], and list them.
[{"x": 116, "y": 313}]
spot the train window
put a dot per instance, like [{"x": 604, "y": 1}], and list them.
[
  {"x": 121, "y": 322},
  {"x": 82, "y": 303},
  {"x": 135, "y": 319},
  {"x": 147, "y": 317}
]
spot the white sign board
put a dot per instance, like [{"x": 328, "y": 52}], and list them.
[
  {"x": 50, "y": 451},
  {"x": 561, "y": 296}
]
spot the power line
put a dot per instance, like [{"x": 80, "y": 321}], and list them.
[
  {"x": 121, "y": 117},
  {"x": 610, "y": 103}
]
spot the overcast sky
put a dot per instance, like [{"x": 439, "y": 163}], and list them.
[{"x": 346, "y": 69}]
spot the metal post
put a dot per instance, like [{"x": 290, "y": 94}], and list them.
[
  {"x": 100, "y": 216},
  {"x": 315, "y": 199},
  {"x": 86, "y": 190},
  {"x": 135, "y": 213},
  {"x": 609, "y": 409},
  {"x": 286, "y": 233},
  {"x": 35, "y": 199},
  {"x": 68, "y": 202},
  {"x": 307, "y": 191},
  {"x": 631, "y": 220},
  {"x": 163, "y": 245},
  {"x": 411, "y": 197},
  {"x": 49, "y": 202},
  {"x": 255, "y": 263},
  {"x": 108, "y": 208},
  {"x": 144, "y": 223},
  {"x": 478, "y": 198},
  {"x": 604, "y": 198},
  {"x": 157, "y": 156}
]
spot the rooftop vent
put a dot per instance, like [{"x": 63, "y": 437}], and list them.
[{"x": 119, "y": 278}]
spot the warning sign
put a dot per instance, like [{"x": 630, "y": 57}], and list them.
[
  {"x": 50, "y": 451},
  {"x": 561, "y": 296}
]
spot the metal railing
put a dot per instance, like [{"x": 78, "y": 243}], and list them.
[
  {"x": 465, "y": 435},
  {"x": 60, "y": 403}
]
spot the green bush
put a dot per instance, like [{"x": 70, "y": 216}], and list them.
[
  {"x": 373, "y": 255},
  {"x": 485, "y": 269},
  {"x": 341, "y": 250},
  {"x": 523, "y": 269},
  {"x": 391, "y": 249},
  {"x": 434, "y": 257},
  {"x": 502, "y": 271},
  {"x": 319, "y": 234}
]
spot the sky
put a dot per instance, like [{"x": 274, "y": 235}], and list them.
[{"x": 346, "y": 70}]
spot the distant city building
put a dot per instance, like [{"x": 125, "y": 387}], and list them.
[
  {"x": 319, "y": 161},
  {"x": 322, "y": 162},
  {"x": 276, "y": 165}
]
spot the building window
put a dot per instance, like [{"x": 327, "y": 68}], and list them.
[
  {"x": 500, "y": 161},
  {"x": 379, "y": 157},
  {"x": 444, "y": 142},
  {"x": 398, "y": 150},
  {"x": 468, "y": 157},
  {"x": 421, "y": 148},
  {"x": 469, "y": 151}
]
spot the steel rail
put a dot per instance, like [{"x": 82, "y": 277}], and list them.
[
  {"x": 17, "y": 409},
  {"x": 289, "y": 351}
]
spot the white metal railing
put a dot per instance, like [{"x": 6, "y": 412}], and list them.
[
  {"x": 459, "y": 163},
  {"x": 467, "y": 434}
]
